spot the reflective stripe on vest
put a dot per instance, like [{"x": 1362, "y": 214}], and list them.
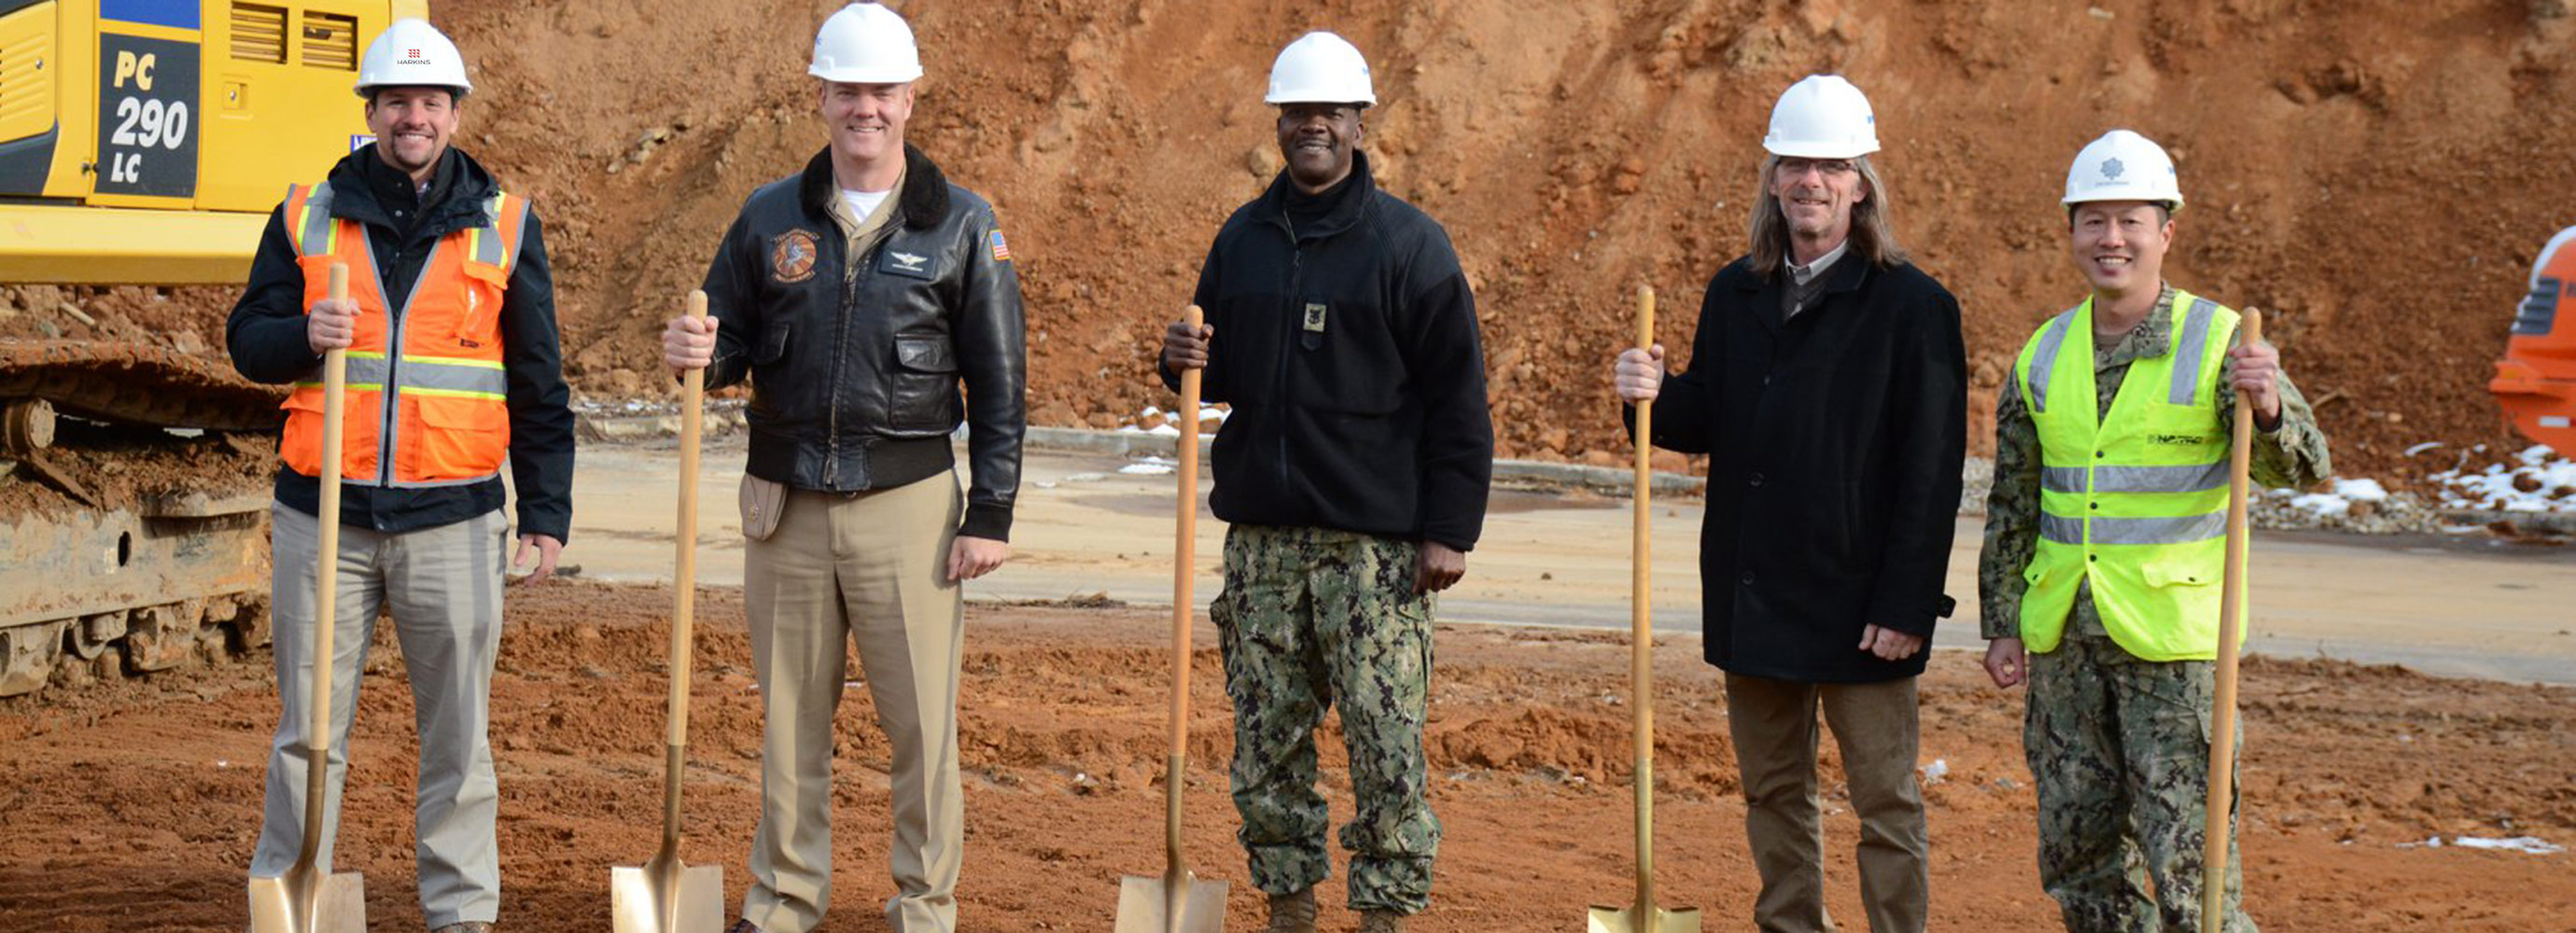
[
  {"x": 2135, "y": 504},
  {"x": 427, "y": 388}
]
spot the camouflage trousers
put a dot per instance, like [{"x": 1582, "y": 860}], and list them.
[
  {"x": 2119, "y": 750},
  {"x": 1309, "y": 617}
]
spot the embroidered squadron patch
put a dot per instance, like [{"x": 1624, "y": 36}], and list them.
[
  {"x": 792, "y": 255},
  {"x": 1001, "y": 248}
]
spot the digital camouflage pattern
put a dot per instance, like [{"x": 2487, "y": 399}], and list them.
[
  {"x": 1310, "y": 617},
  {"x": 2293, "y": 455},
  {"x": 2119, "y": 746},
  {"x": 2119, "y": 751}
]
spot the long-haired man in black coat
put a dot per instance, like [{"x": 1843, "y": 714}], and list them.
[{"x": 1827, "y": 387}]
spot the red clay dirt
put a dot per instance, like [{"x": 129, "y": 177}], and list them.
[
  {"x": 2376, "y": 174},
  {"x": 133, "y": 805}
]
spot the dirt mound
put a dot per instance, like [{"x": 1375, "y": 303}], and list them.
[
  {"x": 2374, "y": 174},
  {"x": 2334, "y": 153}
]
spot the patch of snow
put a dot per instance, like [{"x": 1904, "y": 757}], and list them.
[
  {"x": 2339, "y": 500},
  {"x": 2542, "y": 481},
  {"x": 2531, "y": 844}
]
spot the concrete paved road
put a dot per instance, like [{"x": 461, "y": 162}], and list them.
[{"x": 2460, "y": 607}]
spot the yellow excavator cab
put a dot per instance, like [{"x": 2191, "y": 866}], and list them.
[
  {"x": 145, "y": 141},
  {"x": 2535, "y": 383}
]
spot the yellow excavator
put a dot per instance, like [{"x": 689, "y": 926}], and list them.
[{"x": 144, "y": 142}]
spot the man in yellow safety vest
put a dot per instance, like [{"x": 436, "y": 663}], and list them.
[{"x": 2106, "y": 542}]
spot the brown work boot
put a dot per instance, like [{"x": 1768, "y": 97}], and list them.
[
  {"x": 1292, "y": 913},
  {"x": 1381, "y": 921}
]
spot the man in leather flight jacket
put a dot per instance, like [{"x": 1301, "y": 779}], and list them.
[{"x": 858, "y": 296}]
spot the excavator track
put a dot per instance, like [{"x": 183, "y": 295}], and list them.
[
  {"x": 128, "y": 547},
  {"x": 136, "y": 385}
]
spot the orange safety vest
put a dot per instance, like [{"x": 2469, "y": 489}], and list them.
[{"x": 438, "y": 409}]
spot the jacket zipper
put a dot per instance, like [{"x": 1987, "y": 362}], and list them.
[
  {"x": 840, "y": 357},
  {"x": 1288, "y": 359},
  {"x": 391, "y": 390}
]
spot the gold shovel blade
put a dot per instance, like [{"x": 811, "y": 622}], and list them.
[
  {"x": 332, "y": 903},
  {"x": 646, "y": 901},
  {"x": 1145, "y": 905},
  {"x": 1626, "y": 920}
]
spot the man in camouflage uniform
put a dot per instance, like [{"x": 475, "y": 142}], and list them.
[
  {"x": 1353, "y": 470},
  {"x": 2117, "y": 729}
]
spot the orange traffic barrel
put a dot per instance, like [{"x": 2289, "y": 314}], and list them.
[{"x": 2535, "y": 383}]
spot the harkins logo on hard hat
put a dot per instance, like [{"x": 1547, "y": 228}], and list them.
[{"x": 413, "y": 57}]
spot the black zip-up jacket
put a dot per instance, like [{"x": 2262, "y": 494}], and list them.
[
  {"x": 1347, "y": 345},
  {"x": 856, "y": 362},
  {"x": 1834, "y": 442},
  {"x": 267, "y": 340}
]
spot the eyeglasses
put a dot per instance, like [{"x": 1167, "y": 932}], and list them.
[{"x": 1794, "y": 167}]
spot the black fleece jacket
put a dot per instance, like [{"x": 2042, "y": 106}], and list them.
[
  {"x": 1346, "y": 341},
  {"x": 266, "y": 337}
]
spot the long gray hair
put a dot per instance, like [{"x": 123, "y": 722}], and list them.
[{"x": 1873, "y": 236}]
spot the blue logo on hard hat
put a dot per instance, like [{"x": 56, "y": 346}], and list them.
[{"x": 2111, "y": 168}]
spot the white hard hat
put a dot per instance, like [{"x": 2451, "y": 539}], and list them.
[
  {"x": 2123, "y": 166},
  {"x": 412, "y": 52},
  {"x": 1822, "y": 117},
  {"x": 865, "y": 43},
  {"x": 1320, "y": 68}
]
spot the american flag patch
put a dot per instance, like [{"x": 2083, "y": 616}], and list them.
[{"x": 1001, "y": 248}]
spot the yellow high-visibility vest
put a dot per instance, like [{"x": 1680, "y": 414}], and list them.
[{"x": 2135, "y": 504}]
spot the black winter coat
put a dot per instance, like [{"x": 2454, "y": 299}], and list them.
[
  {"x": 1835, "y": 441},
  {"x": 856, "y": 361},
  {"x": 1348, "y": 348}
]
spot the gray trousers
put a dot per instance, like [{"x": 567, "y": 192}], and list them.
[{"x": 443, "y": 586}]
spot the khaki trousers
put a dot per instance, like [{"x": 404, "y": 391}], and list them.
[
  {"x": 1774, "y": 726},
  {"x": 870, "y": 567},
  {"x": 443, "y": 586}
]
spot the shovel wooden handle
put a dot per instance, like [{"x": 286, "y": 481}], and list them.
[
  {"x": 2222, "y": 713},
  {"x": 1184, "y": 559},
  {"x": 684, "y": 560},
  {"x": 326, "y": 580},
  {"x": 1185, "y": 544},
  {"x": 684, "y": 586},
  {"x": 1641, "y": 621}
]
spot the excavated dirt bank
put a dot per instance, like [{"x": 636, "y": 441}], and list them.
[
  {"x": 2375, "y": 174},
  {"x": 133, "y": 805}
]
